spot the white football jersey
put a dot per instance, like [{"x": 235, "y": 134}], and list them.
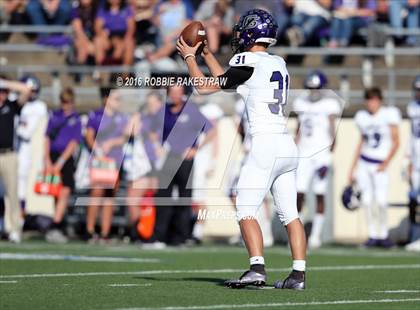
[
  {"x": 376, "y": 131},
  {"x": 265, "y": 92},
  {"x": 30, "y": 116},
  {"x": 314, "y": 131},
  {"x": 413, "y": 112}
]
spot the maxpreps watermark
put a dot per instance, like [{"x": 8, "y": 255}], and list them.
[
  {"x": 218, "y": 214},
  {"x": 167, "y": 81}
]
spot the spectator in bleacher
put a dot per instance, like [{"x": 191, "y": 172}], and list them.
[
  {"x": 63, "y": 135},
  {"x": 49, "y": 12},
  {"x": 176, "y": 128},
  {"x": 82, "y": 21},
  {"x": 10, "y": 107},
  {"x": 171, "y": 17},
  {"x": 281, "y": 10},
  {"x": 143, "y": 15},
  {"x": 348, "y": 17},
  {"x": 114, "y": 33},
  {"x": 382, "y": 11},
  {"x": 105, "y": 136},
  {"x": 411, "y": 10},
  {"x": 13, "y": 12},
  {"x": 218, "y": 19},
  {"x": 309, "y": 16}
]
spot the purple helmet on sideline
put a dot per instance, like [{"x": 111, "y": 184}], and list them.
[
  {"x": 255, "y": 26},
  {"x": 315, "y": 80},
  {"x": 351, "y": 197}
]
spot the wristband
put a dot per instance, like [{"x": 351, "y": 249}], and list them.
[{"x": 188, "y": 55}]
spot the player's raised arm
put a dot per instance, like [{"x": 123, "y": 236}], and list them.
[
  {"x": 188, "y": 53},
  {"x": 212, "y": 63}
]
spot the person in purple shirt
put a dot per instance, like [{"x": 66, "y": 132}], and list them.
[
  {"x": 63, "y": 135},
  {"x": 175, "y": 130},
  {"x": 114, "y": 32},
  {"x": 105, "y": 137},
  {"x": 82, "y": 20},
  {"x": 348, "y": 17}
]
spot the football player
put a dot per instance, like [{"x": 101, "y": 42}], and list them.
[
  {"x": 379, "y": 142},
  {"x": 32, "y": 114},
  {"x": 315, "y": 140},
  {"x": 413, "y": 112},
  {"x": 263, "y": 82}
]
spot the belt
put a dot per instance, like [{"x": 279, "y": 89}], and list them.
[
  {"x": 6, "y": 150},
  {"x": 371, "y": 160}
]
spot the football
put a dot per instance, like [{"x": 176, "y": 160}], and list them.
[{"x": 194, "y": 33}]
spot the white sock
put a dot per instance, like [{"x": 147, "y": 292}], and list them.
[
  {"x": 256, "y": 260},
  {"x": 198, "y": 230},
  {"x": 317, "y": 224},
  {"x": 299, "y": 265}
]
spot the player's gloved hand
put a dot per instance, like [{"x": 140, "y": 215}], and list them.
[{"x": 185, "y": 50}]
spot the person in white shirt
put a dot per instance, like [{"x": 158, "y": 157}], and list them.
[
  {"x": 31, "y": 116},
  {"x": 413, "y": 112},
  {"x": 379, "y": 142},
  {"x": 315, "y": 140},
  {"x": 309, "y": 16}
]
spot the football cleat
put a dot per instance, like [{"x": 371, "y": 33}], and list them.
[
  {"x": 249, "y": 277},
  {"x": 295, "y": 281}
]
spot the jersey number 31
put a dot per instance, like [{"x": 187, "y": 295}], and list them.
[{"x": 278, "y": 93}]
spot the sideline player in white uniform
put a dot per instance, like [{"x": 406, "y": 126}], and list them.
[
  {"x": 413, "y": 112},
  {"x": 379, "y": 142},
  {"x": 262, "y": 81},
  {"x": 315, "y": 140},
  {"x": 31, "y": 116}
]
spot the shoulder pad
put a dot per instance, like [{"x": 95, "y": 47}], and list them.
[{"x": 245, "y": 59}]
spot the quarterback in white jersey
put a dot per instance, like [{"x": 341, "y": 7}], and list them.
[
  {"x": 413, "y": 112},
  {"x": 262, "y": 80},
  {"x": 31, "y": 116},
  {"x": 315, "y": 140},
  {"x": 378, "y": 126}
]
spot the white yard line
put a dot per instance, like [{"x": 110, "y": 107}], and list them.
[
  {"x": 128, "y": 284},
  {"x": 76, "y": 258},
  {"x": 204, "y": 271},
  {"x": 282, "y": 304},
  {"x": 8, "y": 282},
  {"x": 398, "y": 291}
]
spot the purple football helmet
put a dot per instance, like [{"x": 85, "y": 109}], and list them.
[
  {"x": 315, "y": 80},
  {"x": 253, "y": 27}
]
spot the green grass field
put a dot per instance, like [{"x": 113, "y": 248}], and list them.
[{"x": 36, "y": 275}]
